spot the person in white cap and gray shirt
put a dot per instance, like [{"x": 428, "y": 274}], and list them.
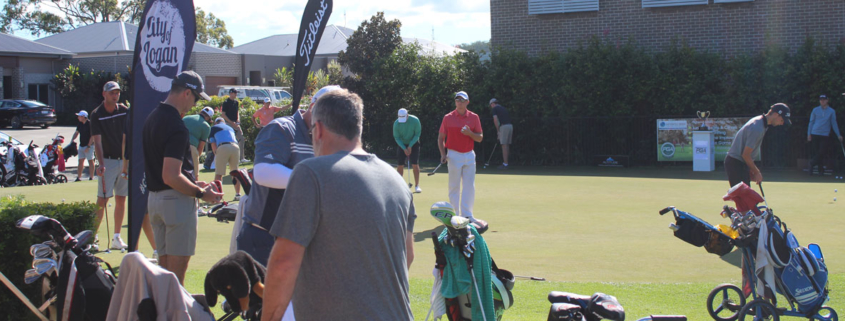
[
  {"x": 504, "y": 129},
  {"x": 459, "y": 132},
  {"x": 86, "y": 150},
  {"x": 406, "y": 132}
]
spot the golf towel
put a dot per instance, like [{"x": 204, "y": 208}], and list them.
[{"x": 457, "y": 279}]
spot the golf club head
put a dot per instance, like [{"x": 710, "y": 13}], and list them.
[
  {"x": 84, "y": 238},
  {"x": 46, "y": 267},
  {"x": 41, "y": 251},
  {"x": 30, "y": 276},
  {"x": 459, "y": 222}
]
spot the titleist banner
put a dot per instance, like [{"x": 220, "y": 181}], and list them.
[
  {"x": 314, "y": 19},
  {"x": 162, "y": 49}
]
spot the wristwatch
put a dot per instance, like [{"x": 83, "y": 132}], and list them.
[{"x": 199, "y": 194}]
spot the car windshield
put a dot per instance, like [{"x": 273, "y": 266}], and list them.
[
  {"x": 5, "y": 138},
  {"x": 32, "y": 103},
  {"x": 257, "y": 93},
  {"x": 284, "y": 94}
]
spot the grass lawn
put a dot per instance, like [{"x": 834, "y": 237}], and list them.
[{"x": 584, "y": 229}]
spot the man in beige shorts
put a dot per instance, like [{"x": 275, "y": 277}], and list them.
[
  {"x": 224, "y": 144},
  {"x": 504, "y": 129}
]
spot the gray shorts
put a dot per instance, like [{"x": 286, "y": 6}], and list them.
[
  {"x": 505, "y": 134},
  {"x": 173, "y": 216},
  {"x": 86, "y": 152},
  {"x": 115, "y": 185}
]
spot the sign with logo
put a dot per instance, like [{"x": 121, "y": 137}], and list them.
[
  {"x": 163, "y": 47},
  {"x": 314, "y": 20},
  {"x": 674, "y": 137},
  {"x": 700, "y": 150}
]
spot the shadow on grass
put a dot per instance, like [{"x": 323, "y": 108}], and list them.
[{"x": 426, "y": 235}]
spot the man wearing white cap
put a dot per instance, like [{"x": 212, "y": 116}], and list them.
[
  {"x": 406, "y": 132},
  {"x": 86, "y": 150},
  {"x": 266, "y": 113},
  {"x": 459, "y": 132}
]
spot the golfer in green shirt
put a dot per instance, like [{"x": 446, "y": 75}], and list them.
[{"x": 406, "y": 131}]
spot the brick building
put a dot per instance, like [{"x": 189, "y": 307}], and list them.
[
  {"x": 26, "y": 68},
  {"x": 729, "y": 27}
]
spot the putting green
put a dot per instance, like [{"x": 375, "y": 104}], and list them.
[{"x": 583, "y": 229}]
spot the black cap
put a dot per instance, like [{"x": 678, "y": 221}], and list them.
[
  {"x": 782, "y": 110},
  {"x": 822, "y": 96},
  {"x": 191, "y": 80},
  {"x": 233, "y": 90}
]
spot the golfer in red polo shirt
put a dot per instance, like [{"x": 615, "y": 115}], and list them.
[{"x": 459, "y": 131}]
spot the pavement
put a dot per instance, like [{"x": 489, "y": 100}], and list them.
[{"x": 42, "y": 137}]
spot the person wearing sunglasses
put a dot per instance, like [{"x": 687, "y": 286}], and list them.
[{"x": 459, "y": 132}]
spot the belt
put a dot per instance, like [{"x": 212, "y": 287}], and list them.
[{"x": 226, "y": 143}]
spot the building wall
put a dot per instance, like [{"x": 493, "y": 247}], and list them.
[
  {"x": 216, "y": 64},
  {"x": 112, "y": 64},
  {"x": 267, "y": 65},
  {"x": 729, "y": 29}
]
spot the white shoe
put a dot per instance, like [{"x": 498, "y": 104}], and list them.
[
  {"x": 237, "y": 198},
  {"x": 418, "y": 190},
  {"x": 95, "y": 246},
  {"x": 118, "y": 244}
]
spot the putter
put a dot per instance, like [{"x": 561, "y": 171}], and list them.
[
  {"x": 106, "y": 215},
  {"x": 491, "y": 155},
  {"x": 532, "y": 278},
  {"x": 764, "y": 196},
  {"x": 435, "y": 169},
  {"x": 408, "y": 168}
]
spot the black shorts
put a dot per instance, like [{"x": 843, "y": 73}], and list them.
[
  {"x": 737, "y": 171},
  {"x": 415, "y": 155}
]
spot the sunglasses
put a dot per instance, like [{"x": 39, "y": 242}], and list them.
[
  {"x": 459, "y": 99},
  {"x": 196, "y": 96}
]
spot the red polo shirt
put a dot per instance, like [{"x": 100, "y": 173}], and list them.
[{"x": 451, "y": 126}]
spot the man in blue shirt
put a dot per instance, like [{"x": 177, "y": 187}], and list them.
[
  {"x": 822, "y": 121},
  {"x": 224, "y": 144}
]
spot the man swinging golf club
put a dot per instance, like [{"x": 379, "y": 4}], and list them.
[{"x": 739, "y": 163}]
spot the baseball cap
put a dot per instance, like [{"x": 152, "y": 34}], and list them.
[
  {"x": 208, "y": 112},
  {"x": 403, "y": 115},
  {"x": 323, "y": 91},
  {"x": 218, "y": 119},
  {"x": 822, "y": 96},
  {"x": 111, "y": 85},
  {"x": 82, "y": 113},
  {"x": 782, "y": 110},
  {"x": 233, "y": 90},
  {"x": 493, "y": 101},
  {"x": 191, "y": 80},
  {"x": 462, "y": 94},
  {"x": 266, "y": 100}
]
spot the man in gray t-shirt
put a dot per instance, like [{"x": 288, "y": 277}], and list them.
[
  {"x": 739, "y": 163},
  {"x": 344, "y": 229}
]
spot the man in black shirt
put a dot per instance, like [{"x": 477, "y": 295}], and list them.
[
  {"x": 108, "y": 126},
  {"x": 86, "y": 151},
  {"x": 504, "y": 129},
  {"x": 171, "y": 178},
  {"x": 232, "y": 117}
]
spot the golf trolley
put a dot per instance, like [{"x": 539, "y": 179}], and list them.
[{"x": 797, "y": 273}]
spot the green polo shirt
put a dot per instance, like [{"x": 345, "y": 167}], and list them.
[
  {"x": 407, "y": 133},
  {"x": 198, "y": 129}
]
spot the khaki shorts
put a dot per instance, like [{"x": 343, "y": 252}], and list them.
[
  {"x": 195, "y": 156},
  {"x": 173, "y": 216},
  {"x": 505, "y": 134},
  {"x": 226, "y": 154},
  {"x": 114, "y": 183}
]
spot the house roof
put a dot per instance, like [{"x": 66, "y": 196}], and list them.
[
  {"x": 332, "y": 42},
  {"x": 11, "y": 45},
  {"x": 114, "y": 36}
]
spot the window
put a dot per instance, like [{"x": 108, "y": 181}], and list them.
[
  {"x": 38, "y": 92},
  {"x": 561, "y": 6},
  {"x": 671, "y": 3}
]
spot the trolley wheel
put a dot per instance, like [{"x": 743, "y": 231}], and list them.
[
  {"x": 40, "y": 181},
  {"x": 61, "y": 178},
  {"x": 724, "y": 302},
  {"x": 759, "y": 310},
  {"x": 826, "y": 313}
]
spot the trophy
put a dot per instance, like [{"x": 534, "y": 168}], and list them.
[{"x": 703, "y": 115}]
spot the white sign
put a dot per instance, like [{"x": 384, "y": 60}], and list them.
[
  {"x": 162, "y": 44},
  {"x": 700, "y": 150}
]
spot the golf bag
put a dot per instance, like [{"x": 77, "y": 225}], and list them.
[
  {"x": 697, "y": 232},
  {"x": 576, "y": 307},
  {"x": 82, "y": 289}
]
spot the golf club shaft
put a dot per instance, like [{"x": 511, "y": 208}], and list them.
[
  {"x": 764, "y": 195},
  {"x": 477, "y": 293},
  {"x": 409, "y": 170},
  {"x": 435, "y": 169},
  {"x": 106, "y": 214},
  {"x": 491, "y": 154},
  {"x": 532, "y": 278}
]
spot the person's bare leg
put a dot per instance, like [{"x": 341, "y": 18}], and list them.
[
  {"x": 79, "y": 168},
  {"x": 119, "y": 209},
  {"x": 416, "y": 174},
  {"x": 101, "y": 207},
  {"x": 237, "y": 186},
  {"x": 90, "y": 168},
  {"x": 176, "y": 264},
  {"x": 401, "y": 170},
  {"x": 505, "y": 152}
]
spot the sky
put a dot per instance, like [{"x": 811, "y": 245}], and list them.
[{"x": 448, "y": 21}]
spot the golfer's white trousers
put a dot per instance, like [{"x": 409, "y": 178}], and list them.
[{"x": 461, "y": 181}]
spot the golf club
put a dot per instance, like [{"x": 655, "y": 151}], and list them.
[
  {"x": 843, "y": 148},
  {"x": 408, "y": 170},
  {"x": 491, "y": 155},
  {"x": 475, "y": 285},
  {"x": 31, "y": 276},
  {"x": 532, "y": 278},
  {"x": 106, "y": 215},
  {"x": 435, "y": 169},
  {"x": 764, "y": 196}
]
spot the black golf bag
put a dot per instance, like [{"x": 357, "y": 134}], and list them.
[{"x": 576, "y": 307}]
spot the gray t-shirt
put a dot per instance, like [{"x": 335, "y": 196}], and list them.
[
  {"x": 285, "y": 141},
  {"x": 750, "y": 135},
  {"x": 351, "y": 213}
]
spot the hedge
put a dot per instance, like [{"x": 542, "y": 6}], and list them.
[{"x": 14, "y": 246}]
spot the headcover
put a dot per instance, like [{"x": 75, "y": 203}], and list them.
[
  {"x": 745, "y": 198},
  {"x": 443, "y": 212},
  {"x": 606, "y": 306}
]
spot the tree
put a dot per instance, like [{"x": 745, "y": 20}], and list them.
[
  {"x": 284, "y": 77},
  {"x": 482, "y": 48},
  {"x": 212, "y": 30},
  {"x": 40, "y": 17},
  {"x": 375, "y": 39}
]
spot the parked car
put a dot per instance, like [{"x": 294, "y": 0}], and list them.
[
  {"x": 19, "y": 112},
  {"x": 257, "y": 94}
]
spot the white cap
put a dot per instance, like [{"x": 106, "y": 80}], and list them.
[
  {"x": 322, "y": 91},
  {"x": 462, "y": 94},
  {"x": 82, "y": 113},
  {"x": 208, "y": 112},
  {"x": 403, "y": 115},
  {"x": 266, "y": 100},
  {"x": 218, "y": 120}
]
